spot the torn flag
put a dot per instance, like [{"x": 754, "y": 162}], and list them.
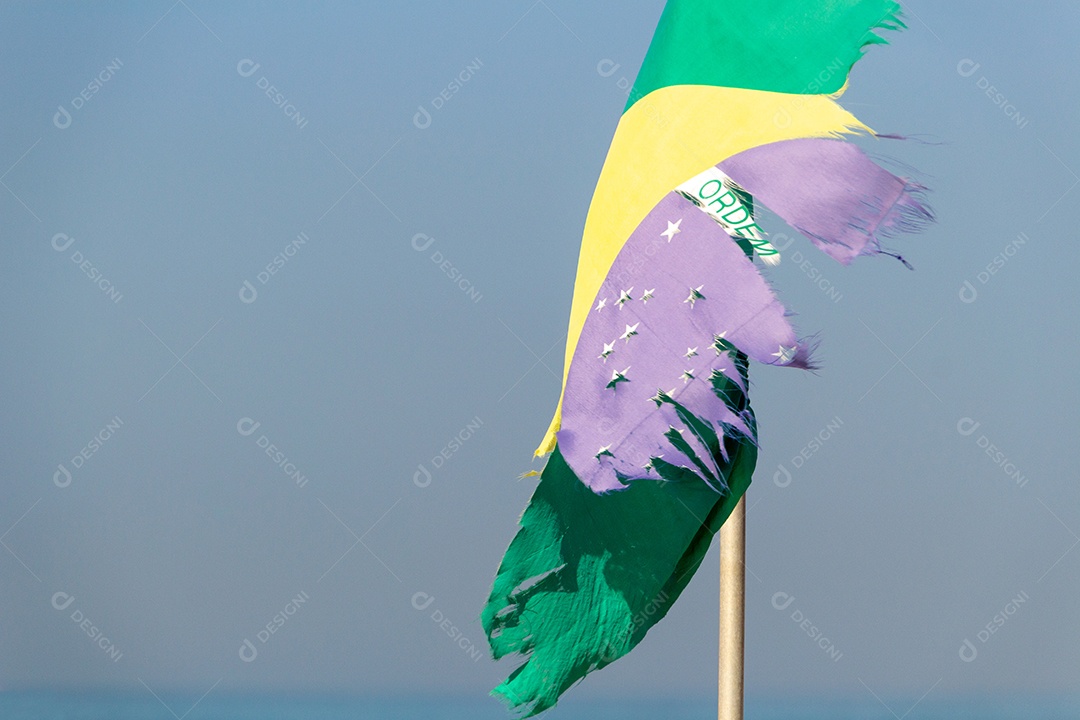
[{"x": 654, "y": 441}]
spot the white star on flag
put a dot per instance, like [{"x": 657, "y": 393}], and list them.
[
  {"x": 672, "y": 230},
  {"x": 695, "y": 295},
  {"x": 785, "y": 355},
  {"x": 618, "y": 377},
  {"x": 660, "y": 395}
]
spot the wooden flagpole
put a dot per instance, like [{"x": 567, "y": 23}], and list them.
[{"x": 732, "y": 607}]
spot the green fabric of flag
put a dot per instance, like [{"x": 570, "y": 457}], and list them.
[
  {"x": 588, "y": 574},
  {"x": 789, "y": 46}
]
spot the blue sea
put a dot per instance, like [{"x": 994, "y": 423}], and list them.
[{"x": 91, "y": 706}]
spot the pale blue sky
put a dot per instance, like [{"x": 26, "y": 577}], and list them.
[{"x": 179, "y": 179}]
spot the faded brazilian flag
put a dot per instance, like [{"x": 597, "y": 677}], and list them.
[{"x": 654, "y": 441}]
